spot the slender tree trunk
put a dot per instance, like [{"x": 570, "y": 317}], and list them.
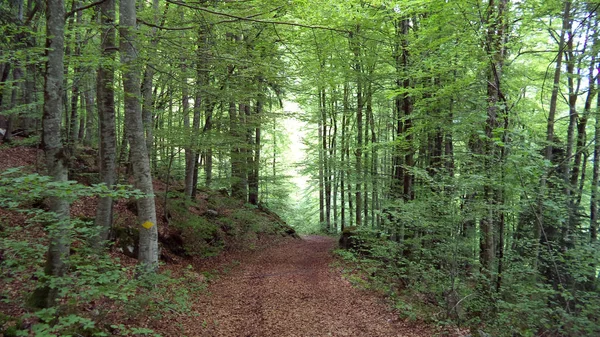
[
  {"x": 147, "y": 84},
  {"x": 374, "y": 159},
  {"x": 326, "y": 161},
  {"x": 89, "y": 134},
  {"x": 238, "y": 173},
  {"x": 595, "y": 171},
  {"x": 333, "y": 165},
  {"x": 17, "y": 76},
  {"x": 83, "y": 118},
  {"x": 578, "y": 165},
  {"x": 550, "y": 139},
  {"x": 491, "y": 224},
  {"x": 343, "y": 163},
  {"x": 68, "y": 52},
  {"x": 56, "y": 163},
  {"x": 148, "y": 244},
  {"x": 254, "y": 176},
  {"x": 14, "y": 101},
  {"x": 573, "y": 95},
  {"x": 321, "y": 162},
  {"x": 208, "y": 126},
  {"x": 75, "y": 88},
  {"x": 106, "y": 117},
  {"x": 6, "y": 68},
  {"x": 198, "y": 102},
  {"x": 190, "y": 149},
  {"x": 359, "y": 126},
  {"x": 407, "y": 107}
]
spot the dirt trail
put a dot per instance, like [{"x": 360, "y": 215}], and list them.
[{"x": 290, "y": 290}]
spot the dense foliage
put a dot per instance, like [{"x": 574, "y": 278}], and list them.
[{"x": 459, "y": 139}]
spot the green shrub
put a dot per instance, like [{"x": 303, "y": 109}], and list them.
[{"x": 201, "y": 237}]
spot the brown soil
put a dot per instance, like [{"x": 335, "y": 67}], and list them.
[{"x": 290, "y": 289}]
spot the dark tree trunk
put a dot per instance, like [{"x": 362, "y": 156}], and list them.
[
  {"x": 106, "y": 117},
  {"x": 355, "y": 46},
  {"x": 320, "y": 132},
  {"x": 254, "y": 172},
  {"x": 75, "y": 88},
  {"x": 595, "y": 171},
  {"x": 56, "y": 162}
]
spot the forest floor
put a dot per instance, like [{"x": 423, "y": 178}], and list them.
[
  {"x": 277, "y": 286},
  {"x": 291, "y": 289}
]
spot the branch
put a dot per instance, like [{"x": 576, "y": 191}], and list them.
[
  {"x": 250, "y": 16},
  {"x": 84, "y": 7},
  {"x": 33, "y": 12},
  {"x": 256, "y": 20},
  {"x": 162, "y": 27}
]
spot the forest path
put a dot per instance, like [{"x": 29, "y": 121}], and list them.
[{"x": 291, "y": 290}]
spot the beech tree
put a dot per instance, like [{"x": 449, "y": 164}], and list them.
[
  {"x": 140, "y": 161},
  {"x": 106, "y": 113},
  {"x": 460, "y": 139},
  {"x": 54, "y": 151}
]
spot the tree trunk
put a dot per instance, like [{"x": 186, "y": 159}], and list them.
[
  {"x": 490, "y": 225},
  {"x": 190, "y": 149},
  {"x": 550, "y": 138},
  {"x": 77, "y": 78},
  {"x": 56, "y": 160},
  {"x": 106, "y": 118},
  {"x": 595, "y": 172},
  {"x": 146, "y": 87},
  {"x": 359, "y": 125},
  {"x": 374, "y": 159},
  {"x": 407, "y": 107},
  {"x": 343, "y": 163},
  {"x": 238, "y": 176},
  {"x": 321, "y": 164},
  {"x": 333, "y": 165},
  {"x": 148, "y": 244},
  {"x": 326, "y": 161},
  {"x": 88, "y": 97},
  {"x": 208, "y": 156},
  {"x": 253, "y": 177},
  {"x": 14, "y": 101}
]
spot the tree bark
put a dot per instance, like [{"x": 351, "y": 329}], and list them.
[
  {"x": 75, "y": 88},
  {"x": 343, "y": 164},
  {"x": 321, "y": 177},
  {"x": 254, "y": 174},
  {"x": 148, "y": 244},
  {"x": 595, "y": 171},
  {"x": 105, "y": 82},
  {"x": 190, "y": 149},
  {"x": 550, "y": 138},
  {"x": 56, "y": 160},
  {"x": 359, "y": 125}
]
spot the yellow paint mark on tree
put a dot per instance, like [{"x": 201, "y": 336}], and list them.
[{"x": 147, "y": 224}]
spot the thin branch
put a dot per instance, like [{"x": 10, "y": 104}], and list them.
[
  {"x": 162, "y": 27},
  {"x": 257, "y": 20},
  {"x": 250, "y": 16},
  {"x": 84, "y": 7}
]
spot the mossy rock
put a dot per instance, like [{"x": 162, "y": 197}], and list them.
[
  {"x": 287, "y": 230},
  {"x": 349, "y": 238}
]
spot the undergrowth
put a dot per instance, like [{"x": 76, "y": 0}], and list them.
[
  {"x": 434, "y": 285},
  {"x": 97, "y": 293}
]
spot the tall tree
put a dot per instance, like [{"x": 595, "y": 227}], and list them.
[
  {"x": 106, "y": 115},
  {"x": 54, "y": 151},
  {"x": 148, "y": 241}
]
